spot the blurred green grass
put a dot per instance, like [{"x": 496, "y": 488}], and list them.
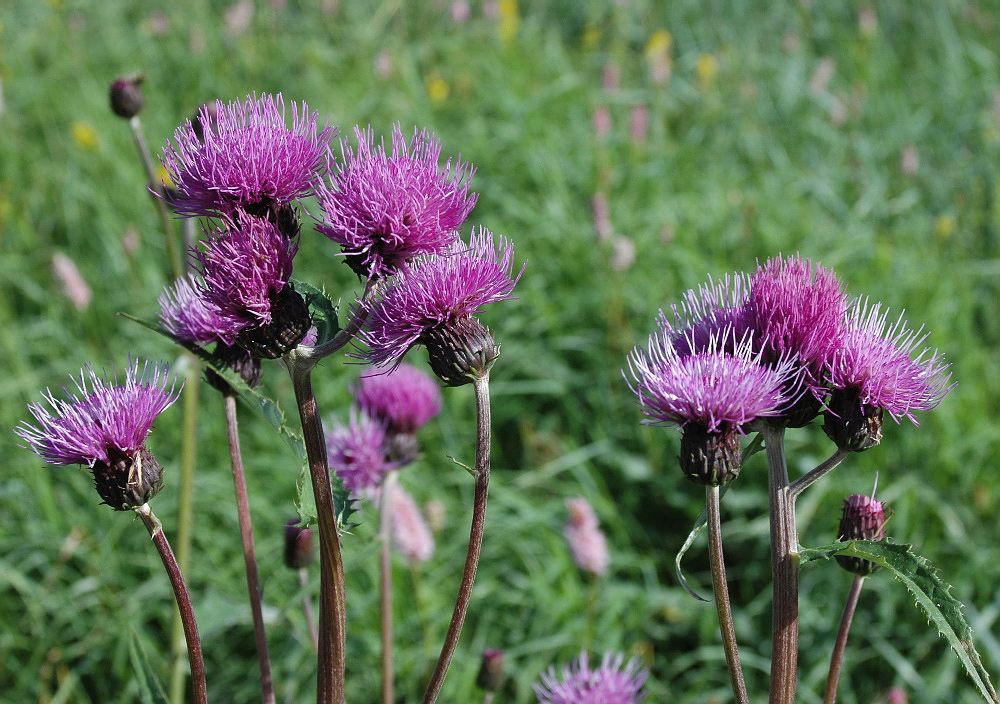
[{"x": 750, "y": 151}]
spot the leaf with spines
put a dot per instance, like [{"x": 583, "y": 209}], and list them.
[
  {"x": 931, "y": 593},
  {"x": 322, "y": 310}
]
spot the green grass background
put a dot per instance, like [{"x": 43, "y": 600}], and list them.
[{"x": 754, "y": 159}]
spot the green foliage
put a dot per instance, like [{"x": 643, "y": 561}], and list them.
[{"x": 757, "y": 158}]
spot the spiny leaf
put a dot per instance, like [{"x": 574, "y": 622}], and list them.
[
  {"x": 931, "y": 593},
  {"x": 322, "y": 309}
]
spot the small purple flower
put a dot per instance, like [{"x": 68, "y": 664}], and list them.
[
  {"x": 357, "y": 453},
  {"x": 876, "y": 361},
  {"x": 873, "y": 372},
  {"x": 384, "y": 209},
  {"x": 246, "y": 268},
  {"x": 432, "y": 301},
  {"x": 587, "y": 543},
  {"x": 104, "y": 426},
  {"x": 404, "y": 398},
  {"x": 608, "y": 684},
  {"x": 246, "y": 157},
  {"x": 189, "y": 317},
  {"x": 798, "y": 309},
  {"x": 712, "y": 395}
]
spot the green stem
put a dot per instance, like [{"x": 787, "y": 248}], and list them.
[
  {"x": 721, "y": 588},
  {"x": 807, "y": 480},
  {"x": 482, "y": 475},
  {"x": 837, "y": 658},
  {"x": 176, "y": 263},
  {"x": 185, "y": 511},
  {"x": 784, "y": 572},
  {"x": 385, "y": 581},
  {"x": 249, "y": 553},
  {"x": 199, "y": 687},
  {"x": 307, "y": 608}
]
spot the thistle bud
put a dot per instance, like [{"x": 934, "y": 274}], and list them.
[
  {"x": 491, "y": 674},
  {"x": 290, "y": 321},
  {"x": 461, "y": 352},
  {"x": 298, "y": 545},
  {"x": 864, "y": 518},
  {"x": 852, "y": 425},
  {"x": 125, "y": 481},
  {"x": 710, "y": 459},
  {"x": 126, "y": 96},
  {"x": 240, "y": 361}
]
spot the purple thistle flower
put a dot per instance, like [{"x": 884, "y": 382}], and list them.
[
  {"x": 705, "y": 312},
  {"x": 863, "y": 518},
  {"x": 188, "y": 317},
  {"x": 714, "y": 388},
  {"x": 404, "y": 398},
  {"x": 607, "y": 684},
  {"x": 246, "y": 157},
  {"x": 432, "y": 302},
  {"x": 357, "y": 453},
  {"x": 246, "y": 268},
  {"x": 104, "y": 426},
  {"x": 384, "y": 209},
  {"x": 876, "y": 362},
  {"x": 798, "y": 309}
]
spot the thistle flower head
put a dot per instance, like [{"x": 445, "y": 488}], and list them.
[
  {"x": 608, "y": 684},
  {"x": 863, "y": 518},
  {"x": 104, "y": 426},
  {"x": 244, "y": 156},
  {"x": 798, "y": 309},
  {"x": 875, "y": 361},
  {"x": 384, "y": 208},
  {"x": 188, "y": 316},
  {"x": 357, "y": 453},
  {"x": 298, "y": 545},
  {"x": 432, "y": 301},
  {"x": 410, "y": 534},
  {"x": 246, "y": 268},
  {"x": 587, "y": 544},
  {"x": 708, "y": 311},
  {"x": 404, "y": 398}
]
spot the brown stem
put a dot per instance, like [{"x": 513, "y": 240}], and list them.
[
  {"x": 482, "y": 474},
  {"x": 837, "y": 658},
  {"x": 721, "y": 588},
  {"x": 385, "y": 581},
  {"x": 784, "y": 572},
  {"x": 198, "y": 686},
  {"x": 307, "y": 609},
  {"x": 332, "y": 604},
  {"x": 249, "y": 556},
  {"x": 807, "y": 480}
]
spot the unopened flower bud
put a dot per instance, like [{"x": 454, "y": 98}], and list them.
[
  {"x": 491, "y": 674},
  {"x": 126, "y": 482},
  {"x": 710, "y": 459},
  {"x": 864, "y": 518},
  {"x": 298, "y": 545},
  {"x": 852, "y": 425},
  {"x": 290, "y": 321},
  {"x": 126, "y": 96},
  {"x": 461, "y": 352},
  {"x": 240, "y": 361}
]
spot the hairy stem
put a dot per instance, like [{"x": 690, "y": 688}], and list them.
[
  {"x": 837, "y": 658},
  {"x": 198, "y": 686},
  {"x": 482, "y": 475},
  {"x": 721, "y": 588},
  {"x": 784, "y": 572},
  {"x": 385, "y": 582},
  {"x": 185, "y": 512},
  {"x": 332, "y": 604},
  {"x": 249, "y": 556}
]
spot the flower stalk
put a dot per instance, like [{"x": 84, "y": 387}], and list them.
[
  {"x": 199, "y": 687},
  {"x": 721, "y": 589},
  {"x": 385, "y": 583},
  {"x": 176, "y": 263},
  {"x": 482, "y": 476},
  {"x": 837, "y": 658},
  {"x": 249, "y": 553}
]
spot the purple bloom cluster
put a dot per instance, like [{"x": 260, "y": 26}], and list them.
[
  {"x": 437, "y": 292},
  {"x": 404, "y": 398},
  {"x": 188, "y": 316},
  {"x": 242, "y": 155},
  {"x": 385, "y": 208},
  {"x": 357, "y": 453},
  {"x": 102, "y": 419},
  {"x": 608, "y": 684}
]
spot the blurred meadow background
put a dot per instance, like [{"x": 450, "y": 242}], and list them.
[{"x": 630, "y": 149}]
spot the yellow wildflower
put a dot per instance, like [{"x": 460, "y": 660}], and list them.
[{"x": 84, "y": 135}]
